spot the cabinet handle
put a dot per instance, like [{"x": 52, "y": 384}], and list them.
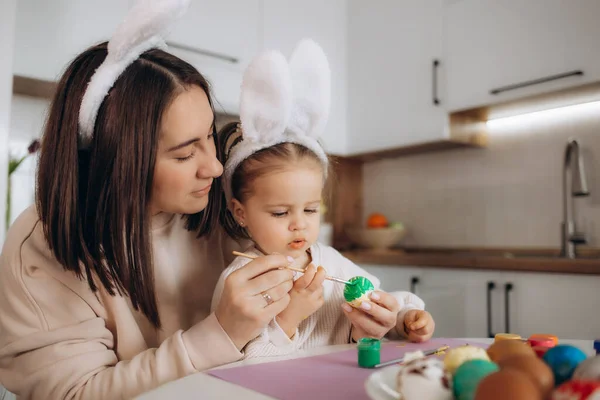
[
  {"x": 207, "y": 53},
  {"x": 490, "y": 286},
  {"x": 536, "y": 81},
  {"x": 507, "y": 289},
  {"x": 436, "y": 64},
  {"x": 414, "y": 281}
]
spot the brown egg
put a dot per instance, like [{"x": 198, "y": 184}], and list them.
[
  {"x": 507, "y": 384},
  {"x": 507, "y": 348},
  {"x": 534, "y": 368}
]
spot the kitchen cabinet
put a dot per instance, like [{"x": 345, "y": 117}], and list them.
[
  {"x": 285, "y": 22},
  {"x": 469, "y": 303},
  {"x": 395, "y": 75},
  {"x": 219, "y": 38},
  {"x": 448, "y": 297},
  {"x": 526, "y": 303},
  {"x": 49, "y": 34},
  {"x": 445, "y": 293},
  {"x": 494, "y": 49},
  {"x": 561, "y": 304},
  {"x": 395, "y": 278}
]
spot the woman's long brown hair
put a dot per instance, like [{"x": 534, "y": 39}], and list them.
[{"x": 94, "y": 203}]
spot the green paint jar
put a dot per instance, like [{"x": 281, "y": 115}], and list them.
[{"x": 369, "y": 352}]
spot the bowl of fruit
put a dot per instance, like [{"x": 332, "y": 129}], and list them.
[{"x": 379, "y": 233}]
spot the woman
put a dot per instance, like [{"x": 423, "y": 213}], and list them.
[{"x": 106, "y": 284}]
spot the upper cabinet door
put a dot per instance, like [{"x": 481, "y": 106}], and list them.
[
  {"x": 50, "y": 34},
  {"x": 395, "y": 86},
  {"x": 285, "y": 22},
  {"x": 219, "y": 38},
  {"x": 225, "y": 30},
  {"x": 497, "y": 51}
]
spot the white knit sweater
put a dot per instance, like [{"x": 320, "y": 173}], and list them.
[{"x": 328, "y": 325}]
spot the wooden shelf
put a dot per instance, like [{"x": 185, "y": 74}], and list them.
[
  {"x": 33, "y": 87},
  {"x": 467, "y": 129},
  {"x": 474, "y": 142}
]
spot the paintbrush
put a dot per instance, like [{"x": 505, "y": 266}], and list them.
[
  {"x": 331, "y": 278},
  {"x": 401, "y": 359}
]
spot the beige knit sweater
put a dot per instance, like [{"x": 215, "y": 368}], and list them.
[
  {"x": 327, "y": 326},
  {"x": 59, "y": 340}
]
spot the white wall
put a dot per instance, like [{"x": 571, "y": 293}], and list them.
[
  {"x": 507, "y": 195},
  {"x": 8, "y": 10},
  {"x": 28, "y": 115}
]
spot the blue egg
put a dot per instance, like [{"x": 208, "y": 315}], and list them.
[
  {"x": 468, "y": 376},
  {"x": 563, "y": 359}
]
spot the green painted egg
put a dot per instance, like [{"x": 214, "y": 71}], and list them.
[
  {"x": 468, "y": 375},
  {"x": 358, "y": 290}
]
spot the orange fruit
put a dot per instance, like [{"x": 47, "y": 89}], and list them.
[{"x": 377, "y": 220}]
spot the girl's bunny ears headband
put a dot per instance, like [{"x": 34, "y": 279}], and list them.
[
  {"x": 142, "y": 29},
  {"x": 282, "y": 102}
]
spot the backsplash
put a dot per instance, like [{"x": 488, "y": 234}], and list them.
[{"x": 507, "y": 195}]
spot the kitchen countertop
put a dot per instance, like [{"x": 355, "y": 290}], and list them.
[{"x": 515, "y": 259}]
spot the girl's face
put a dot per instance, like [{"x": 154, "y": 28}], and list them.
[
  {"x": 186, "y": 162},
  {"x": 282, "y": 212}
]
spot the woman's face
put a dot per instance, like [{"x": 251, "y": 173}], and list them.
[{"x": 186, "y": 162}]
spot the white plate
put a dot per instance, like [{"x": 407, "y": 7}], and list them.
[{"x": 381, "y": 385}]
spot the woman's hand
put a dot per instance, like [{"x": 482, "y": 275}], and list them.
[
  {"x": 253, "y": 296},
  {"x": 375, "y": 318},
  {"x": 306, "y": 297}
]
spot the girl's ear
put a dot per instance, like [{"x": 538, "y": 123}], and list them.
[
  {"x": 311, "y": 87},
  {"x": 238, "y": 211}
]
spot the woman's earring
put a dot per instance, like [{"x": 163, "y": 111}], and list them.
[{"x": 241, "y": 223}]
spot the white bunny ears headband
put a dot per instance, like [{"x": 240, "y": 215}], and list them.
[
  {"x": 282, "y": 102},
  {"x": 142, "y": 29}
]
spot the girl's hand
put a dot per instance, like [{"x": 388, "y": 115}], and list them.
[
  {"x": 253, "y": 296},
  {"x": 418, "y": 325},
  {"x": 306, "y": 297},
  {"x": 375, "y": 318}
]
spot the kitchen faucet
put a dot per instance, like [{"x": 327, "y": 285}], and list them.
[{"x": 574, "y": 185}]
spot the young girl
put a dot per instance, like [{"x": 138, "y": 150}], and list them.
[
  {"x": 106, "y": 284},
  {"x": 274, "y": 175}
]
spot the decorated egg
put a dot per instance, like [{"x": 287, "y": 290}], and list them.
[
  {"x": 541, "y": 342},
  {"x": 424, "y": 379},
  {"x": 536, "y": 369},
  {"x": 563, "y": 359},
  {"x": 577, "y": 390},
  {"x": 542, "y": 337},
  {"x": 506, "y": 336},
  {"x": 458, "y": 355},
  {"x": 507, "y": 348},
  {"x": 588, "y": 370},
  {"x": 468, "y": 375},
  {"x": 358, "y": 290},
  {"x": 508, "y": 384},
  {"x": 540, "y": 350}
]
